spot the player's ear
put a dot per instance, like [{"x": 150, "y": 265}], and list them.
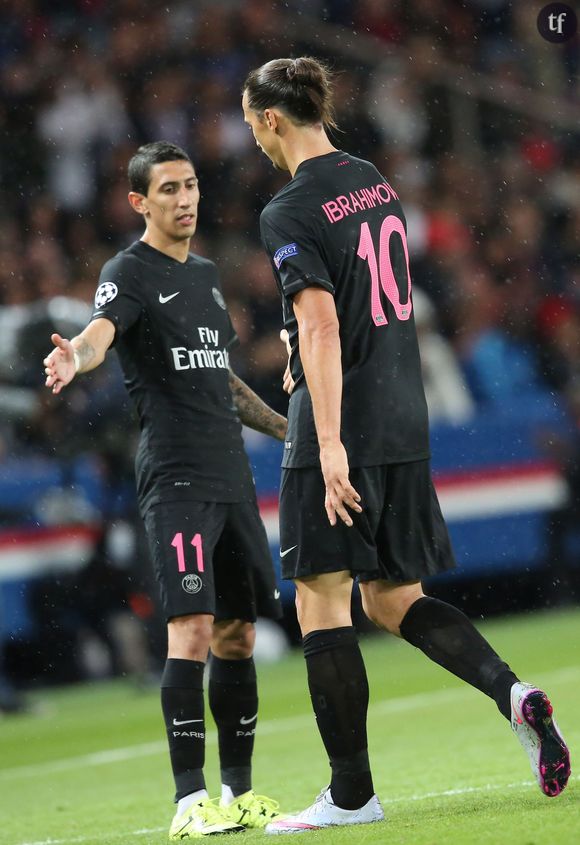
[
  {"x": 138, "y": 203},
  {"x": 271, "y": 119}
]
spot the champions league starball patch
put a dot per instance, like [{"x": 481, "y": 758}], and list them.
[
  {"x": 284, "y": 252},
  {"x": 106, "y": 292}
]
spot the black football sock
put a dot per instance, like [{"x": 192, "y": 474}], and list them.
[
  {"x": 233, "y": 699},
  {"x": 447, "y": 637},
  {"x": 339, "y": 690},
  {"x": 183, "y": 711}
]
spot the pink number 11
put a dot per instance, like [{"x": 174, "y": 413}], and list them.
[{"x": 177, "y": 543}]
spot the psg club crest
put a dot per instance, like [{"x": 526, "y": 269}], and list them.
[
  {"x": 192, "y": 583},
  {"x": 106, "y": 292}
]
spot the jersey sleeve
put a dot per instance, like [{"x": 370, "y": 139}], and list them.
[
  {"x": 117, "y": 296},
  {"x": 232, "y": 340},
  {"x": 294, "y": 251}
]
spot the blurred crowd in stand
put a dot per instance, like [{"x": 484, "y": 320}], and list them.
[{"x": 491, "y": 191}]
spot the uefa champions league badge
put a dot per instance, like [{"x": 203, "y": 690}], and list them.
[
  {"x": 106, "y": 292},
  {"x": 284, "y": 252}
]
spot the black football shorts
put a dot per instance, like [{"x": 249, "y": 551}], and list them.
[
  {"x": 212, "y": 557},
  {"x": 400, "y": 535}
]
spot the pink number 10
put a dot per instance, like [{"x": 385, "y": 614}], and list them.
[
  {"x": 384, "y": 270},
  {"x": 177, "y": 543}
]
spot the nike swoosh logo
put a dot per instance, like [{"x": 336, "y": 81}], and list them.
[
  {"x": 244, "y": 721},
  {"x": 164, "y": 299},
  {"x": 186, "y": 722},
  {"x": 287, "y": 551},
  {"x": 276, "y": 594}
]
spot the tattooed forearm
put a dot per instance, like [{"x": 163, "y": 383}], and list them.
[{"x": 253, "y": 412}]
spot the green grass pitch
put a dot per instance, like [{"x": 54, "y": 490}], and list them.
[{"x": 91, "y": 767}]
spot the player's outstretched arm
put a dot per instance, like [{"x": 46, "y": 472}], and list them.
[
  {"x": 79, "y": 355},
  {"x": 253, "y": 412},
  {"x": 320, "y": 353}
]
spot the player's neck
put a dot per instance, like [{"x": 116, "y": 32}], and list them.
[
  {"x": 304, "y": 145},
  {"x": 178, "y": 250}
]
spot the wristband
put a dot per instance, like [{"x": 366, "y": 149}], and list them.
[{"x": 77, "y": 360}]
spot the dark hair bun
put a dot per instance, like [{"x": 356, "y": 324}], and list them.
[
  {"x": 305, "y": 71},
  {"x": 303, "y": 87}
]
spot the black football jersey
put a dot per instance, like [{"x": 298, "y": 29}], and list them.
[
  {"x": 339, "y": 225},
  {"x": 173, "y": 335}
]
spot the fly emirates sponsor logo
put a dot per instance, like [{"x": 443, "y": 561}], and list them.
[
  {"x": 358, "y": 200},
  {"x": 206, "y": 357}
]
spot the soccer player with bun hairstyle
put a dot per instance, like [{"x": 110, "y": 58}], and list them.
[
  {"x": 162, "y": 307},
  {"x": 356, "y": 498}
]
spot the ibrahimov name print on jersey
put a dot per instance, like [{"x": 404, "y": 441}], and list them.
[
  {"x": 339, "y": 225},
  {"x": 173, "y": 336}
]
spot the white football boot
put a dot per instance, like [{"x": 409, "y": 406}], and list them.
[
  {"x": 323, "y": 813},
  {"x": 536, "y": 729}
]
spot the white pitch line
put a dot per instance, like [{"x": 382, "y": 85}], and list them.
[
  {"x": 467, "y": 790},
  {"x": 79, "y": 839},
  {"x": 446, "y": 793},
  {"x": 267, "y": 728}
]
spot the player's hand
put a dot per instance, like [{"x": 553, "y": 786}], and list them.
[
  {"x": 340, "y": 494},
  {"x": 287, "y": 380},
  {"x": 59, "y": 365}
]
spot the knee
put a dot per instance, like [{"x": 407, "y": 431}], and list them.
[
  {"x": 233, "y": 640},
  {"x": 323, "y": 601},
  {"x": 189, "y": 637},
  {"x": 307, "y": 613},
  {"x": 387, "y": 608},
  {"x": 382, "y": 614}
]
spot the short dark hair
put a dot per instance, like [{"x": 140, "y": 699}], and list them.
[
  {"x": 301, "y": 87},
  {"x": 139, "y": 170}
]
